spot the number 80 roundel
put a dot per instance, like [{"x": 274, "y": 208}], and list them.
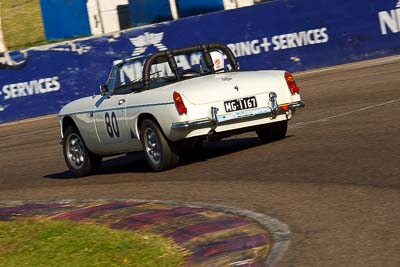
[{"x": 111, "y": 125}]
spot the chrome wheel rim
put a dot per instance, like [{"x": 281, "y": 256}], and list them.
[
  {"x": 75, "y": 151},
  {"x": 153, "y": 149}
]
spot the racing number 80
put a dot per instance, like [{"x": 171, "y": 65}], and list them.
[{"x": 112, "y": 125}]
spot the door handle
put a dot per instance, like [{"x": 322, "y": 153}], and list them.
[{"x": 121, "y": 101}]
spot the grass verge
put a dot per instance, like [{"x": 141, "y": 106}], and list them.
[
  {"x": 64, "y": 243},
  {"x": 22, "y": 23}
]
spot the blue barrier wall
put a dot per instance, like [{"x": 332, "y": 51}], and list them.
[
  {"x": 292, "y": 34},
  {"x": 191, "y": 8},
  {"x": 149, "y": 11},
  {"x": 64, "y": 19}
]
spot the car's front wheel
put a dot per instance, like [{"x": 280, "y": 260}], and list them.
[
  {"x": 273, "y": 131},
  {"x": 158, "y": 150},
  {"x": 80, "y": 161}
]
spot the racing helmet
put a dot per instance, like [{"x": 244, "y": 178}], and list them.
[{"x": 218, "y": 60}]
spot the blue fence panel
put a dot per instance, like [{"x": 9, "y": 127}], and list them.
[
  {"x": 190, "y": 8},
  {"x": 292, "y": 34},
  {"x": 65, "y": 18},
  {"x": 149, "y": 11}
]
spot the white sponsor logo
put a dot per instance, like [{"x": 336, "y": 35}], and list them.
[
  {"x": 22, "y": 89},
  {"x": 142, "y": 42},
  {"x": 389, "y": 21},
  {"x": 280, "y": 42},
  {"x": 7, "y": 62},
  {"x": 2, "y": 108},
  {"x": 66, "y": 47}
]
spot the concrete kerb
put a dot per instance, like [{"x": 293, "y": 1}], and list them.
[{"x": 279, "y": 231}]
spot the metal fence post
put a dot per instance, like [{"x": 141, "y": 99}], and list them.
[
  {"x": 174, "y": 9},
  {"x": 100, "y": 16}
]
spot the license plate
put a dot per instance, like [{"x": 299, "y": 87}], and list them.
[{"x": 240, "y": 104}]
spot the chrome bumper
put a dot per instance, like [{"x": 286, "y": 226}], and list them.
[{"x": 216, "y": 119}]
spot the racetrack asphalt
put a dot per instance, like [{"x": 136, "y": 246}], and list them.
[{"x": 334, "y": 180}]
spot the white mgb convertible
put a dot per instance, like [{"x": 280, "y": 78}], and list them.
[{"x": 173, "y": 106}]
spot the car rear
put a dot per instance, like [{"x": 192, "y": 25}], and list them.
[{"x": 228, "y": 102}]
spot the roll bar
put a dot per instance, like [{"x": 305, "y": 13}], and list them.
[{"x": 170, "y": 56}]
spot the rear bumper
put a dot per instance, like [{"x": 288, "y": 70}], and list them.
[{"x": 237, "y": 116}]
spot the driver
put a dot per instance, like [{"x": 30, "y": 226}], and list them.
[{"x": 219, "y": 64}]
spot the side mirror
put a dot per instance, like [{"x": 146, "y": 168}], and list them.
[{"x": 104, "y": 89}]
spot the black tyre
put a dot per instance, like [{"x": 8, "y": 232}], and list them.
[
  {"x": 80, "y": 161},
  {"x": 158, "y": 150},
  {"x": 273, "y": 131}
]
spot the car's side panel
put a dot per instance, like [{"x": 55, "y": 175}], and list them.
[
  {"x": 83, "y": 113},
  {"x": 111, "y": 124}
]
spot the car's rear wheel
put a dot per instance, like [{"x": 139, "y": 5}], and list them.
[
  {"x": 158, "y": 150},
  {"x": 273, "y": 131},
  {"x": 80, "y": 161}
]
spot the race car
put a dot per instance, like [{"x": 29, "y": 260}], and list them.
[{"x": 168, "y": 103}]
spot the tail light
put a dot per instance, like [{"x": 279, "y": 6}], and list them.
[
  {"x": 180, "y": 106},
  {"x": 291, "y": 83}
]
